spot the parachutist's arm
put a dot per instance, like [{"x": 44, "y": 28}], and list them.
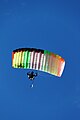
[
  {"x": 36, "y": 74},
  {"x": 28, "y": 73}
]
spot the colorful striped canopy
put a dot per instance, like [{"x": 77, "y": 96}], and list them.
[{"x": 32, "y": 58}]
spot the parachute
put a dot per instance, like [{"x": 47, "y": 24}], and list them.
[{"x": 37, "y": 59}]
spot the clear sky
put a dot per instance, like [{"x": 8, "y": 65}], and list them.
[{"x": 50, "y": 25}]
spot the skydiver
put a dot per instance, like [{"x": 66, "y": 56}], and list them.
[{"x": 31, "y": 75}]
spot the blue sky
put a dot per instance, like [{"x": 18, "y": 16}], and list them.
[{"x": 51, "y": 25}]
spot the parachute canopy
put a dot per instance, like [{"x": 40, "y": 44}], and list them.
[{"x": 43, "y": 60}]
